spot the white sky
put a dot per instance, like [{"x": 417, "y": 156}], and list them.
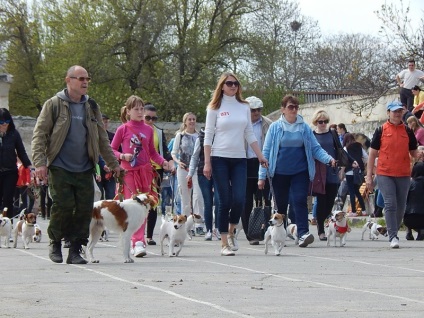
[{"x": 354, "y": 16}]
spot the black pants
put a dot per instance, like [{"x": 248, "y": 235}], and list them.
[
  {"x": 152, "y": 216},
  {"x": 7, "y": 190},
  {"x": 325, "y": 204},
  {"x": 414, "y": 221},
  {"x": 407, "y": 98}
]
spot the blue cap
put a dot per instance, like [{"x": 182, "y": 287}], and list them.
[{"x": 395, "y": 105}]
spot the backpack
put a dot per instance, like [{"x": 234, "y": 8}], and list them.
[{"x": 55, "y": 114}]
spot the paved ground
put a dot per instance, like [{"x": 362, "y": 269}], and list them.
[{"x": 363, "y": 279}]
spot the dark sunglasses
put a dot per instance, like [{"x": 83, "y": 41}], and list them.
[
  {"x": 152, "y": 118},
  {"x": 231, "y": 83},
  {"x": 4, "y": 121},
  {"x": 291, "y": 107},
  {"x": 255, "y": 110},
  {"x": 81, "y": 78},
  {"x": 322, "y": 122}
]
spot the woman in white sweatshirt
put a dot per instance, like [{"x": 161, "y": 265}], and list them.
[{"x": 228, "y": 125}]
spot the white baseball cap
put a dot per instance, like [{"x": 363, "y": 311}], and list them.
[{"x": 255, "y": 102}]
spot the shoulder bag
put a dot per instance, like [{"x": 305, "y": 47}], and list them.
[{"x": 342, "y": 155}]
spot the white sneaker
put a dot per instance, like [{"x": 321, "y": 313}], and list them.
[
  {"x": 217, "y": 234},
  {"x": 306, "y": 239},
  {"x": 226, "y": 251},
  {"x": 394, "y": 243},
  {"x": 139, "y": 249},
  {"x": 208, "y": 236},
  {"x": 232, "y": 242}
]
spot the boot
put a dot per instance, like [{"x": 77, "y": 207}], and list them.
[
  {"x": 74, "y": 256},
  {"x": 420, "y": 236},
  {"x": 55, "y": 251},
  {"x": 409, "y": 235}
]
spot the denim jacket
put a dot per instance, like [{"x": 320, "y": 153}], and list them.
[{"x": 272, "y": 144}]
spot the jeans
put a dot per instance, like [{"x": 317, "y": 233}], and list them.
[
  {"x": 209, "y": 198},
  {"x": 296, "y": 187},
  {"x": 395, "y": 191},
  {"x": 166, "y": 198},
  {"x": 354, "y": 193},
  {"x": 229, "y": 175},
  {"x": 107, "y": 188}
]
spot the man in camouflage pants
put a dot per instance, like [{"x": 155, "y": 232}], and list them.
[{"x": 67, "y": 141}]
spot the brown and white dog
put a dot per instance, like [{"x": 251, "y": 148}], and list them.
[
  {"x": 176, "y": 232},
  {"x": 337, "y": 227},
  {"x": 37, "y": 236},
  {"x": 5, "y": 228},
  {"x": 26, "y": 229},
  {"x": 124, "y": 217},
  {"x": 374, "y": 228},
  {"x": 276, "y": 233}
]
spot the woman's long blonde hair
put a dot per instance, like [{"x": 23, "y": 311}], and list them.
[
  {"x": 215, "y": 102},
  {"x": 415, "y": 123}
]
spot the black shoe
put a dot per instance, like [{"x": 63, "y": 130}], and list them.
[
  {"x": 410, "y": 237},
  {"x": 74, "y": 256},
  {"x": 254, "y": 242},
  {"x": 67, "y": 244},
  {"x": 420, "y": 236},
  {"x": 151, "y": 242},
  {"x": 55, "y": 251}
]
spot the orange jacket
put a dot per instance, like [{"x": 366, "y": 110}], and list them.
[
  {"x": 24, "y": 176},
  {"x": 395, "y": 144}
]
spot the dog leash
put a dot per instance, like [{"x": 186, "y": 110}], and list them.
[{"x": 271, "y": 190}]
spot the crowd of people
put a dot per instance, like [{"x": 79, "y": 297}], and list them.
[{"x": 220, "y": 172}]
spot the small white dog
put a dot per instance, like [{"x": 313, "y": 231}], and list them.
[
  {"x": 276, "y": 233},
  {"x": 375, "y": 229},
  {"x": 37, "y": 236},
  {"x": 124, "y": 217},
  {"x": 26, "y": 229},
  {"x": 337, "y": 227},
  {"x": 176, "y": 232},
  {"x": 5, "y": 228},
  {"x": 192, "y": 219},
  {"x": 292, "y": 232}
]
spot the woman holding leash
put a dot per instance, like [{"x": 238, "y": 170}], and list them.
[
  {"x": 291, "y": 147},
  {"x": 228, "y": 125},
  {"x": 136, "y": 141}
]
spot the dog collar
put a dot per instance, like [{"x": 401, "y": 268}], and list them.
[
  {"x": 29, "y": 224},
  {"x": 280, "y": 225}
]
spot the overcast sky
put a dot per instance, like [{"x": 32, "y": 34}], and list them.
[{"x": 353, "y": 16}]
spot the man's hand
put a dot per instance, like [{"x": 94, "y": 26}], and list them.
[{"x": 41, "y": 173}]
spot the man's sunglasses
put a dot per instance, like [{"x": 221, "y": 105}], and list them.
[
  {"x": 152, "y": 118},
  {"x": 81, "y": 78},
  {"x": 231, "y": 83},
  {"x": 4, "y": 121}
]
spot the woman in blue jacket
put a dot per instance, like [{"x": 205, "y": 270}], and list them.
[{"x": 290, "y": 148}]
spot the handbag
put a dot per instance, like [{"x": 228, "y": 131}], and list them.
[
  {"x": 341, "y": 154},
  {"x": 358, "y": 176},
  {"x": 317, "y": 186},
  {"x": 258, "y": 222}
]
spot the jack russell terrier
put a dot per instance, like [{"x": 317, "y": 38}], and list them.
[
  {"x": 276, "y": 233},
  {"x": 26, "y": 229},
  {"x": 337, "y": 227},
  {"x": 176, "y": 232},
  {"x": 5, "y": 228},
  {"x": 375, "y": 229},
  {"x": 124, "y": 217}
]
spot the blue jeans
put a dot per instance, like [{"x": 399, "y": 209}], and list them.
[
  {"x": 209, "y": 198},
  {"x": 230, "y": 175},
  {"x": 166, "y": 197},
  {"x": 296, "y": 187},
  {"x": 107, "y": 188}
]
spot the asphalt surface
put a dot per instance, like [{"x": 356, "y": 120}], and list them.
[{"x": 363, "y": 279}]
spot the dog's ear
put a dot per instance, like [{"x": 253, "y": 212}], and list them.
[
  {"x": 184, "y": 217},
  {"x": 175, "y": 218},
  {"x": 151, "y": 200}
]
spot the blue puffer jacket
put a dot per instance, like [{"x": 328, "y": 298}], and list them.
[{"x": 272, "y": 144}]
